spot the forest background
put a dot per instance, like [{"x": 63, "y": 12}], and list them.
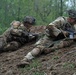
[{"x": 44, "y": 11}]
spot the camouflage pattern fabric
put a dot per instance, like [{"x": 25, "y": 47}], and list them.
[
  {"x": 53, "y": 30},
  {"x": 60, "y": 25},
  {"x": 11, "y": 46},
  {"x": 2, "y": 43},
  {"x": 5, "y": 38},
  {"x": 9, "y": 40},
  {"x": 15, "y": 36}
]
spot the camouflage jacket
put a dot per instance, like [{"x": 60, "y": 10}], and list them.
[
  {"x": 18, "y": 31},
  {"x": 20, "y": 34},
  {"x": 15, "y": 34},
  {"x": 61, "y": 24}
]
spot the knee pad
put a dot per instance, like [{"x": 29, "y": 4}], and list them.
[{"x": 36, "y": 51}]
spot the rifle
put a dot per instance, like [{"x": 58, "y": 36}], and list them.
[
  {"x": 71, "y": 35},
  {"x": 33, "y": 36}
]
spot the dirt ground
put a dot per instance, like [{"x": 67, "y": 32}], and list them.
[{"x": 59, "y": 62}]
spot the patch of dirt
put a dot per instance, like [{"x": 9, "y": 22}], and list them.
[{"x": 59, "y": 62}]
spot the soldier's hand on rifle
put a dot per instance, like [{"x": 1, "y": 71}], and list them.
[{"x": 66, "y": 34}]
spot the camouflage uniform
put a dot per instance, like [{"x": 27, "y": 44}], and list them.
[
  {"x": 4, "y": 38},
  {"x": 9, "y": 37},
  {"x": 16, "y": 36},
  {"x": 55, "y": 36},
  {"x": 52, "y": 31}
]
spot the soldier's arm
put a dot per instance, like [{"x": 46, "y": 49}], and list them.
[
  {"x": 16, "y": 32},
  {"x": 55, "y": 26}
]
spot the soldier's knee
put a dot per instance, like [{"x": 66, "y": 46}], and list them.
[{"x": 35, "y": 51}]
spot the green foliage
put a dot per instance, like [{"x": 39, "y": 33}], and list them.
[
  {"x": 2, "y": 29},
  {"x": 45, "y": 11},
  {"x": 34, "y": 64},
  {"x": 32, "y": 68},
  {"x": 38, "y": 73},
  {"x": 69, "y": 65},
  {"x": 55, "y": 57}
]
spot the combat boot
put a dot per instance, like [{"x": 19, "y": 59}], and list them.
[
  {"x": 23, "y": 63},
  {"x": 26, "y": 60}
]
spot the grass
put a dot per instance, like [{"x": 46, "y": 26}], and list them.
[
  {"x": 38, "y": 73},
  {"x": 2, "y": 30},
  {"x": 35, "y": 63},
  {"x": 69, "y": 65},
  {"x": 55, "y": 57},
  {"x": 33, "y": 68}
]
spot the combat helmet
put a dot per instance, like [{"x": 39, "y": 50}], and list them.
[
  {"x": 29, "y": 19},
  {"x": 72, "y": 13}
]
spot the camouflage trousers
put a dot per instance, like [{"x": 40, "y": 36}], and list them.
[
  {"x": 11, "y": 46},
  {"x": 8, "y": 46},
  {"x": 46, "y": 45}
]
